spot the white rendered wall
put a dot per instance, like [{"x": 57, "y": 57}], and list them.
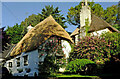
[
  {"x": 100, "y": 32},
  {"x": 33, "y": 61},
  {"x": 66, "y": 47},
  {"x": 76, "y": 39}
]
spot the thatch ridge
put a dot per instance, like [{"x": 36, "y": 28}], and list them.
[
  {"x": 75, "y": 32},
  {"x": 39, "y": 34}
]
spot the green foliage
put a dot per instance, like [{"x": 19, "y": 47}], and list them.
[
  {"x": 48, "y": 66},
  {"x": 73, "y": 16},
  {"x": 79, "y": 65},
  {"x": 108, "y": 15},
  {"x": 97, "y": 9},
  {"x": 18, "y": 31},
  {"x": 118, "y": 15},
  {"x": 15, "y": 33},
  {"x": 48, "y": 10},
  {"x": 114, "y": 40},
  {"x": 98, "y": 49},
  {"x": 116, "y": 26},
  {"x": 5, "y": 39},
  {"x": 55, "y": 57},
  {"x": 87, "y": 27}
]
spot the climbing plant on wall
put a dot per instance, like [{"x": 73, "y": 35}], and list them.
[{"x": 55, "y": 57}]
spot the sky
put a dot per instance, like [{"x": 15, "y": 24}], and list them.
[{"x": 16, "y": 12}]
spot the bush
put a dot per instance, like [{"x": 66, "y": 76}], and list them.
[
  {"x": 97, "y": 48},
  {"x": 55, "y": 57},
  {"x": 81, "y": 66},
  {"x": 92, "y": 48},
  {"x": 114, "y": 40}
]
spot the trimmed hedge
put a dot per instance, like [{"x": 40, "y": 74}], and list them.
[{"x": 81, "y": 66}]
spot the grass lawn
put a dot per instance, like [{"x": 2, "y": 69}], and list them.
[{"x": 70, "y": 75}]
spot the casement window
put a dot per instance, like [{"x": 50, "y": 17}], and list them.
[
  {"x": 18, "y": 62},
  {"x": 10, "y": 64},
  {"x": 25, "y": 60}
]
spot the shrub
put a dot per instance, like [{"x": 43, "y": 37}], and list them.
[
  {"x": 55, "y": 57},
  {"x": 97, "y": 48},
  {"x": 81, "y": 66},
  {"x": 92, "y": 48},
  {"x": 114, "y": 40}
]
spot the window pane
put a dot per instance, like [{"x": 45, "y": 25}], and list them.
[
  {"x": 18, "y": 62},
  {"x": 10, "y": 64},
  {"x": 26, "y": 60}
]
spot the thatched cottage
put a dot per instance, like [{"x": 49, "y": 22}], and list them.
[
  {"x": 26, "y": 53},
  {"x": 97, "y": 26}
]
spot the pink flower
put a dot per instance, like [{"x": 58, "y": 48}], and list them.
[
  {"x": 109, "y": 45},
  {"x": 93, "y": 48},
  {"x": 42, "y": 54},
  {"x": 89, "y": 38},
  {"x": 56, "y": 50},
  {"x": 53, "y": 40},
  {"x": 56, "y": 41}
]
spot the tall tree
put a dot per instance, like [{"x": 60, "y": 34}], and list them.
[
  {"x": 15, "y": 33},
  {"x": 97, "y": 9},
  {"x": 49, "y": 10},
  {"x": 18, "y": 31},
  {"x": 118, "y": 15},
  {"x": 73, "y": 16},
  {"x": 109, "y": 14},
  {"x": 5, "y": 39}
]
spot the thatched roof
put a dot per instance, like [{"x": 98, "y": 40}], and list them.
[
  {"x": 75, "y": 32},
  {"x": 39, "y": 34},
  {"x": 97, "y": 24}
]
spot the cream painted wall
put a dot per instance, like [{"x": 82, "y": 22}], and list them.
[{"x": 100, "y": 32}]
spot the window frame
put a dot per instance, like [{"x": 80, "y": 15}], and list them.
[
  {"x": 18, "y": 61},
  {"x": 25, "y": 60},
  {"x": 10, "y": 64}
]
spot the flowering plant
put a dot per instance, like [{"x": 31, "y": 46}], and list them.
[
  {"x": 96, "y": 48},
  {"x": 55, "y": 55}
]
